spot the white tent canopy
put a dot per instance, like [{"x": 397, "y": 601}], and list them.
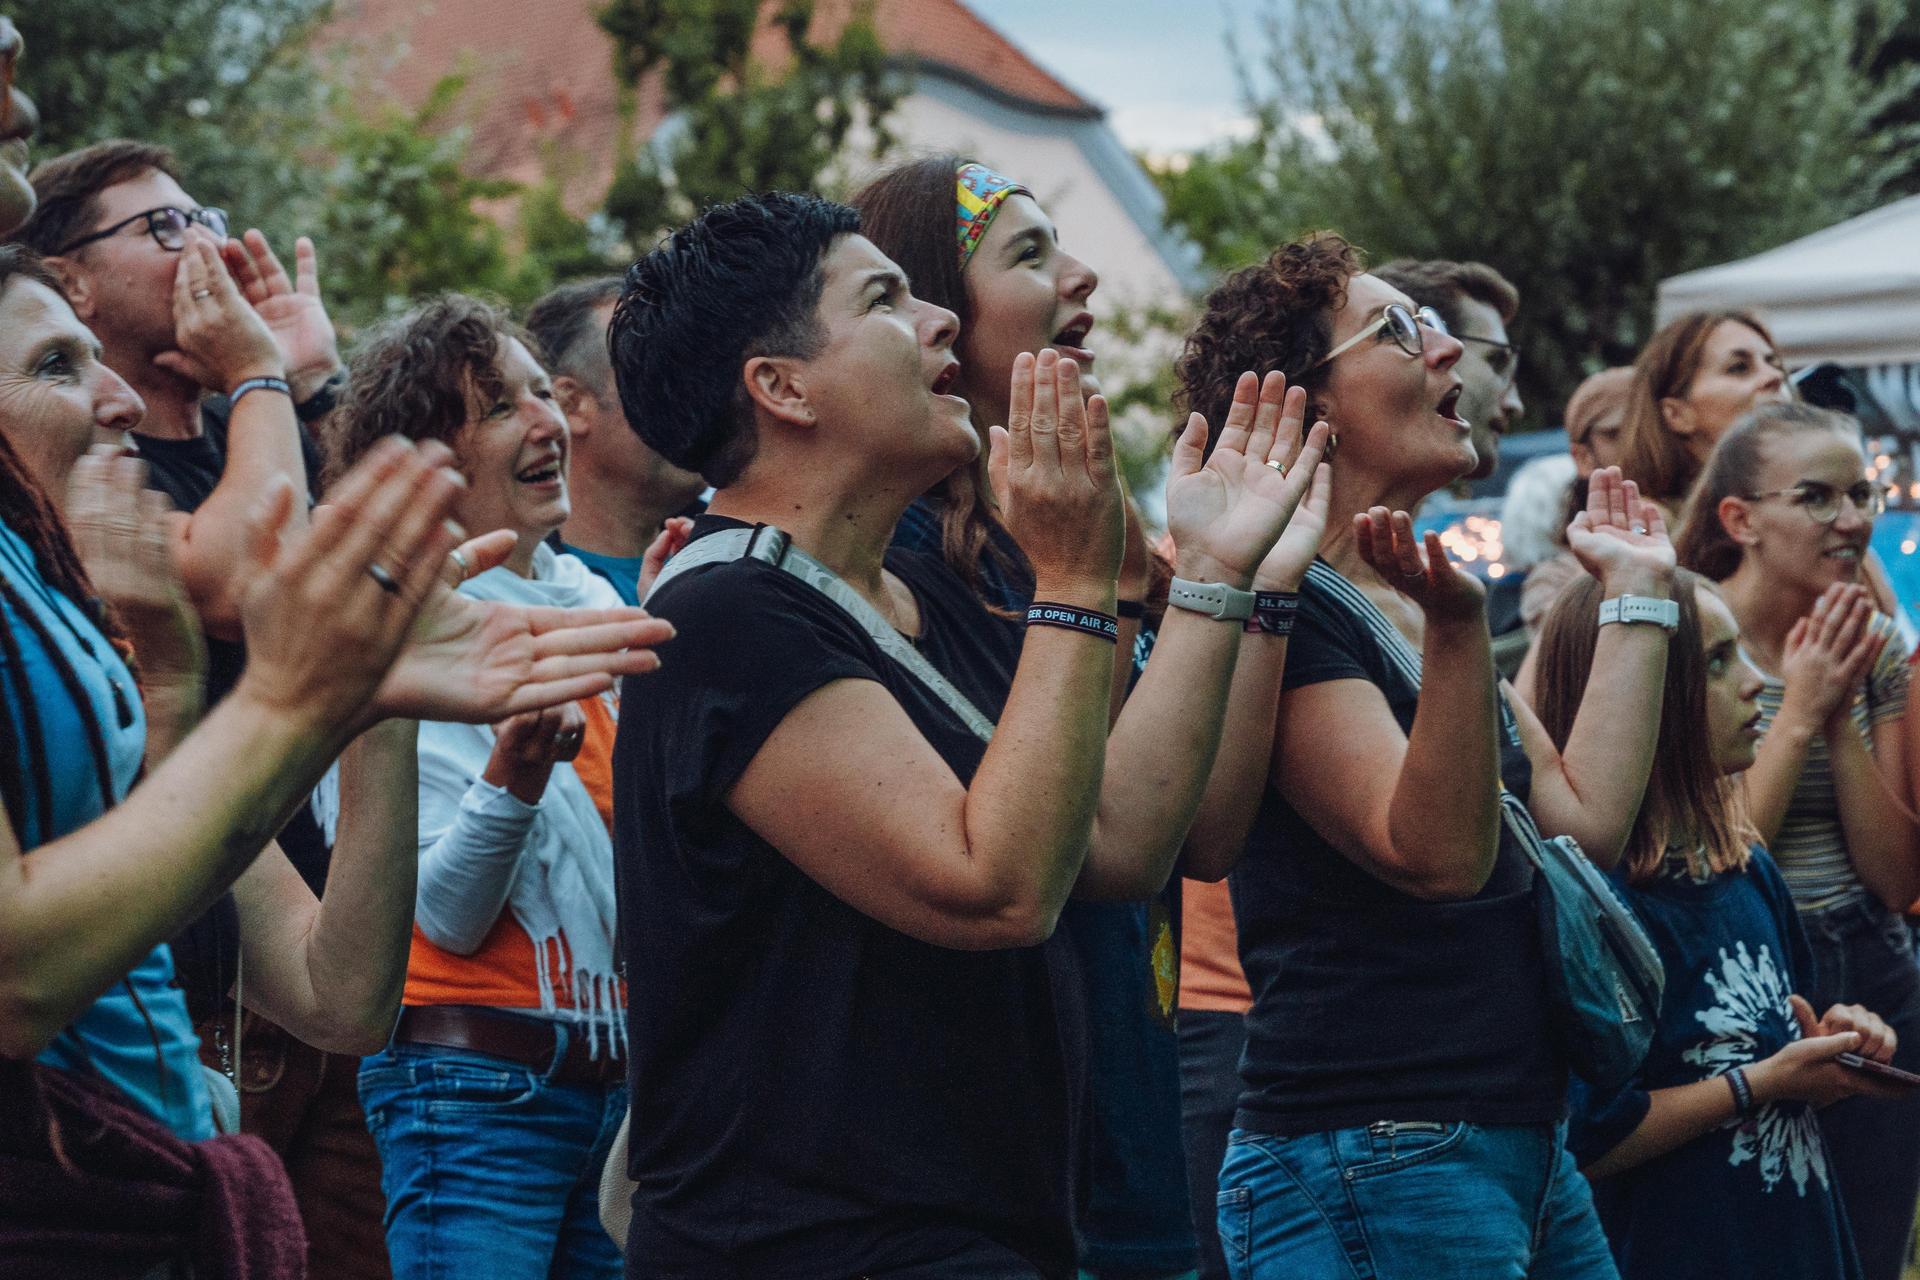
[{"x": 1849, "y": 294}]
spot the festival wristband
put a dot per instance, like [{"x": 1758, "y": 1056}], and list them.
[
  {"x": 1742, "y": 1091},
  {"x": 259, "y": 384},
  {"x": 1044, "y": 614},
  {"x": 1131, "y": 608},
  {"x": 1273, "y": 612},
  {"x": 1214, "y": 599}
]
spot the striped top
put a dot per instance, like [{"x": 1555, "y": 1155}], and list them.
[{"x": 1811, "y": 848}]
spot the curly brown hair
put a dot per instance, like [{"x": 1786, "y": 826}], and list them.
[
  {"x": 1274, "y": 314},
  {"x": 413, "y": 376}
]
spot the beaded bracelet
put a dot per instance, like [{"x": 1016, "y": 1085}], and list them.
[
  {"x": 1044, "y": 614},
  {"x": 1273, "y": 612},
  {"x": 259, "y": 384}
]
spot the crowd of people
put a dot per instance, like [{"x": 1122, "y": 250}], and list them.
[{"x": 714, "y": 777}]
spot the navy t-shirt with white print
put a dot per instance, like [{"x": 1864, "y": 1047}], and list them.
[{"x": 1755, "y": 1198}]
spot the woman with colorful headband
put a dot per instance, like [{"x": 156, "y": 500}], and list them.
[{"x": 1017, "y": 290}]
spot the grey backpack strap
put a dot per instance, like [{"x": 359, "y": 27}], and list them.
[{"x": 774, "y": 547}]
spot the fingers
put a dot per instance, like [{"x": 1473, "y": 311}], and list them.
[
  {"x": 1045, "y": 423},
  {"x": 595, "y": 640},
  {"x": 1189, "y": 449},
  {"x": 1616, "y": 491},
  {"x": 477, "y": 555},
  {"x": 1237, "y": 430},
  {"x": 341, "y": 510},
  {"x": 1019, "y": 429},
  {"x": 1437, "y": 562},
  {"x": 306, "y": 268},
  {"x": 1305, "y": 472},
  {"x": 1290, "y": 429},
  {"x": 997, "y": 442},
  {"x": 245, "y": 271},
  {"x": 1803, "y": 1016},
  {"x": 535, "y": 694},
  {"x": 1654, "y": 519},
  {"x": 1070, "y": 430},
  {"x": 267, "y": 263},
  {"x": 1099, "y": 443}
]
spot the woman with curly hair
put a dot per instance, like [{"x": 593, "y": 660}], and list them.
[{"x": 1405, "y": 1091}]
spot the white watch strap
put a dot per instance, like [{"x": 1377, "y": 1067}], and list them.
[
  {"x": 1215, "y": 599},
  {"x": 1664, "y": 614}
]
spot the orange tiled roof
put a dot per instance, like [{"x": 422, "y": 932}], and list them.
[{"x": 541, "y": 85}]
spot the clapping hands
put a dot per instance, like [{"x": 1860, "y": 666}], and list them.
[
  {"x": 1621, "y": 539},
  {"x": 1241, "y": 513},
  {"x": 1828, "y": 654},
  {"x": 1445, "y": 592}
]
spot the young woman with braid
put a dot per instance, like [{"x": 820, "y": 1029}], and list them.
[
  {"x": 1781, "y": 519},
  {"x": 980, "y": 244}
]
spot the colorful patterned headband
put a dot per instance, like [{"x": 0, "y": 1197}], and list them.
[{"x": 981, "y": 192}]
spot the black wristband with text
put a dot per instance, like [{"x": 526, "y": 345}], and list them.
[
  {"x": 1273, "y": 612},
  {"x": 1742, "y": 1092},
  {"x": 1042, "y": 613},
  {"x": 1131, "y": 608}
]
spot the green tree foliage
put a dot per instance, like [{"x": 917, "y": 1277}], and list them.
[
  {"x": 739, "y": 122},
  {"x": 225, "y": 84},
  {"x": 1586, "y": 148}
]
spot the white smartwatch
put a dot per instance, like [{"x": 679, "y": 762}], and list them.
[
  {"x": 1215, "y": 599},
  {"x": 1664, "y": 614}
]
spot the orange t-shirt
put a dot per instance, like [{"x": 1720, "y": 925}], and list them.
[
  {"x": 501, "y": 974},
  {"x": 1211, "y": 979}
]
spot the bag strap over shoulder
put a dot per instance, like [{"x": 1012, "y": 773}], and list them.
[{"x": 773, "y": 546}]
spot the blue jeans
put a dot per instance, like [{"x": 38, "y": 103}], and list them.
[
  {"x": 1863, "y": 954},
  {"x": 489, "y": 1168},
  {"x": 1410, "y": 1201}
]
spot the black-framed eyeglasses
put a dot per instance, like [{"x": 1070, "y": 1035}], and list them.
[
  {"x": 1505, "y": 360},
  {"x": 167, "y": 225},
  {"x": 1821, "y": 502},
  {"x": 1398, "y": 323}
]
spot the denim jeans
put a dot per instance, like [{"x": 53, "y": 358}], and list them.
[
  {"x": 1410, "y": 1201},
  {"x": 1863, "y": 954},
  {"x": 489, "y": 1168}
]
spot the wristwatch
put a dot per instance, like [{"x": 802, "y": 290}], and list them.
[
  {"x": 1214, "y": 599},
  {"x": 1664, "y": 614}
]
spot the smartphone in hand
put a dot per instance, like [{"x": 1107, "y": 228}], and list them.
[{"x": 1881, "y": 1069}]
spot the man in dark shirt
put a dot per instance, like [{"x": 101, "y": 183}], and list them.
[
  {"x": 622, "y": 491},
  {"x": 112, "y": 220}
]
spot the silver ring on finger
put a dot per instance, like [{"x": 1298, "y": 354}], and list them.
[
  {"x": 1279, "y": 466},
  {"x": 1639, "y": 527},
  {"x": 383, "y": 579},
  {"x": 202, "y": 293},
  {"x": 461, "y": 562}
]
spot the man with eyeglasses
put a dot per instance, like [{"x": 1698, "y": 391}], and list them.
[{"x": 1476, "y": 303}]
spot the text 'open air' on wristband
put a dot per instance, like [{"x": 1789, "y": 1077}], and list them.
[{"x": 1042, "y": 613}]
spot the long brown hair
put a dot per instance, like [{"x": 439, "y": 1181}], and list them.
[
  {"x": 908, "y": 213},
  {"x": 1733, "y": 471},
  {"x": 1688, "y": 798},
  {"x": 1656, "y": 458}
]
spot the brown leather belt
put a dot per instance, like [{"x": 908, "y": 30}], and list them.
[{"x": 527, "y": 1041}]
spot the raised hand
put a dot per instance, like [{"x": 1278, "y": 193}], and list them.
[
  {"x": 122, "y": 531},
  {"x": 1621, "y": 539},
  {"x": 1063, "y": 500},
  {"x": 219, "y": 340},
  {"x": 292, "y": 309},
  {"x": 1226, "y": 513},
  {"x": 673, "y": 535},
  {"x": 1443, "y": 590},
  {"x": 1828, "y": 654}
]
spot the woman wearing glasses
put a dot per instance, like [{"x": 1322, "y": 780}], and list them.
[
  {"x": 1402, "y": 1115},
  {"x": 1781, "y": 520}
]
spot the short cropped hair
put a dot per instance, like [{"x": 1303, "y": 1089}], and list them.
[
  {"x": 1444, "y": 285},
  {"x": 410, "y": 376},
  {"x": 563, "y": 322},
  {"x": 741, "y": 281},
  {"x": 67, "y": 188}
]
